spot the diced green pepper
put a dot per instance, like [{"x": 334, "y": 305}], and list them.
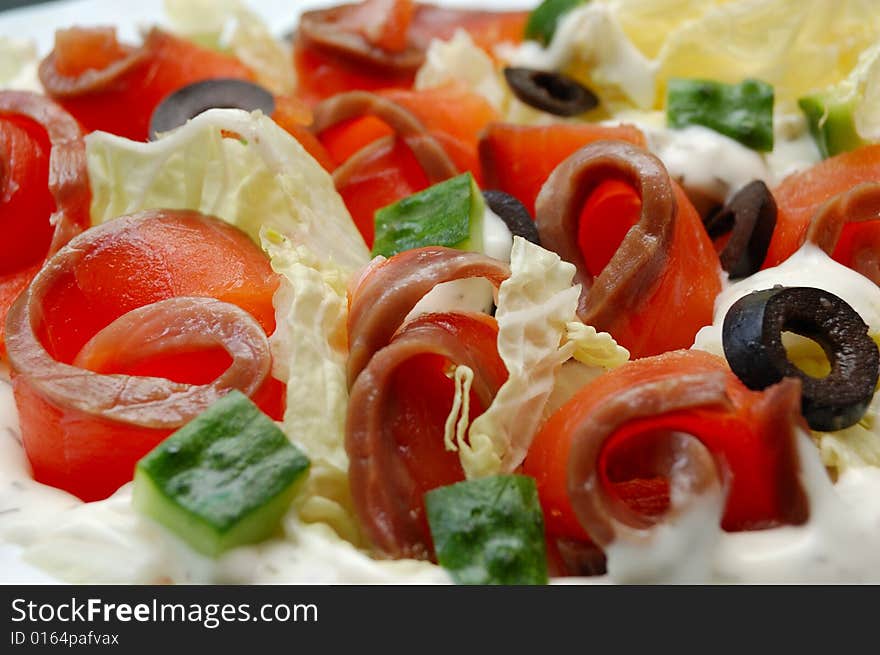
[
  {"x": 544, "y": 19},
  {"x": 489, "y": 530},
  {"x": 224, "y": 479},
  {"x": 743, "y": 111},
  {"x": 447, "y": 214},
  {"x": 831, "y": 122}
]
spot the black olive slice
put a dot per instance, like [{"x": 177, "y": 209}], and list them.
[
  {"x": 191, "y": 100},
  {"x": 552, "y": 92},
  {"x": 750, "y": 217},
  {"x": 752, "y": 339},
  {"x": 514, "y": 214}
]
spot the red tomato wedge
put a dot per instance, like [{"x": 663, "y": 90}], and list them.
[
  {"x": 380, "y": 44},
  {"x": 800, "y": 196},
  {"x": 395, "y": 429},
  {"x": 117, "y": 89},
  {"x": 44, "y": 189},
  {"x": 751, "y": 436},
  {"x": 518, "y": 159},
  {"x": 171, "y": 307}
]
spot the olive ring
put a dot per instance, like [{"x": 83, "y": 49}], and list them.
[{"x": 752, "y": 339}]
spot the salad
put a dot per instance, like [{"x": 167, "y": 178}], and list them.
[{"x": 545, "y": 291}]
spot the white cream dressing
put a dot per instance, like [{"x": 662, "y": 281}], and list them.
[
  {"x": 808, "y": 267},
  {"x": 471, "y": 294},
  {"x": 590, "y": 38},
  {"x": 840, "y": 543}
]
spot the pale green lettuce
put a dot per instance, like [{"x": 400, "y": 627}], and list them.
[
  {"x": 264, "y": 178},
  {"x": 537, "y": 333},
  {"x": 310, "y": 349},
  {"x": 460, "y": 61},
  {"x": 18, "y": 65}
]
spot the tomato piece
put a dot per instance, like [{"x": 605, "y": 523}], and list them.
[
  {"x": 800, "y": 195},
  {"x": 518, "y": 159},
  {"x": 120, "y": 98}
]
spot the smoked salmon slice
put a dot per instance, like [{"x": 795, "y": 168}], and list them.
[
  {"x": 399, "y": 373},
  {"x": 518, "y": 159},
  {"x": 801, "y": 195},
  {"x": 392, "y": 144},
  {"x": 117, "y": 89},
  {"x": 128, "y": 333},
  {"x": 44, "y": 189},
  {"x": 380, "y": 44},
  {"x": 637, "y": 244},
  {"x": 615, "y": 430}
]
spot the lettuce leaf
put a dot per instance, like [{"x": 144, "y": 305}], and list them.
[
  {"x": 534, "y": 305},
  {"x": 264, "y": 178},
  {"x": 310, "y": 350},
  {"x": 538, "y": 332},
  {"x": 459, "y": 60},
  {"x": 228, "y": 25},
  {"x": 18, "y": 65}
]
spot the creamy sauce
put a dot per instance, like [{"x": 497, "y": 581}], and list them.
[
  {"x": 808, "y": 267},
  {"x": 472, "y": 294},
  {"x": 839, "y": 544},
  {"x": 591, "y": 39}
]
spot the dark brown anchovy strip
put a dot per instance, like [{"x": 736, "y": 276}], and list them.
[
  {"x": 319, "y": 28},
  {"x": 631, "y": 274},
  {"x": 858, "y": 205},
  {"x": 602, "y": 517},
  {"x": 750, "y": 218},
  {"x": 383, "y": 489},
  {"x": 550, "y": 91},
  {"x": 388, "y": 292},
  {"x": 684, "y": 460},
  {"x": 354, "y": 104}
]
